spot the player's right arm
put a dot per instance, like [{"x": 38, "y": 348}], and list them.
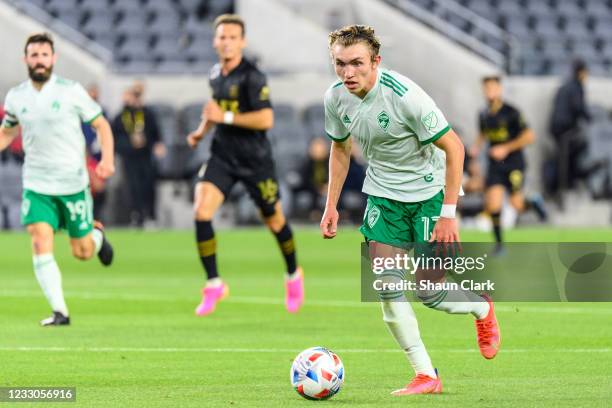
[
  {"x": 194, "y": 137},
  {"x": 7, "y": 135},
  {"x": 339, "y": 160},
  {"x": 9, "y": 129}
]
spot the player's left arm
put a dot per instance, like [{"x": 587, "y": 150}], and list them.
[
  {"x": 446, "y": 229},
  {"x": 106, "y": 166}
]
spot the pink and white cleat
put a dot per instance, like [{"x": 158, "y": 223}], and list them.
[
  {"x": 294, "y": 296},
  {"x": 487, "y": 330},
  {"x": 211, "y": 296},
  {"x": 421, "y": 384}
]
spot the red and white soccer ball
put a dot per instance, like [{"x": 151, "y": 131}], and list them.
[{"x": 317, "y": 373}]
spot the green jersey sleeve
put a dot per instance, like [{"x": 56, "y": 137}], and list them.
[
  {"x": 423, "y": 116},
  {"x": 10, "y": 118},
  {"x": 334, "y": 127},
  {"x": 87, "y": 108}
]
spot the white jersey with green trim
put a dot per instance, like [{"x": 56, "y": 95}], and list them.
[
  {"x": 395, "y": 124},
  {"x": 53, "y": 141}
]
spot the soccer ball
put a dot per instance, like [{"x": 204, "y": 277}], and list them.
[{"x": 317, "y": 373}]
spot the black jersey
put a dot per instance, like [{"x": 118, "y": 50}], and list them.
[
  {"x": 244, "y": 89},
  {"x": 502, "y": 126}
]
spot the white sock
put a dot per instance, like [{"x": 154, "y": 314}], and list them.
[
  {"x": 97, "y": 237},
  {"x": 402, "y": 323},
  {"x": 50, "y": 280},
  {"x": 456, "y": 302},
  {"x": 293, "y": 275},
  {"x": 214, "y": 282}
]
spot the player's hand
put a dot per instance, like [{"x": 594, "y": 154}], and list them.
[
  {"x": 193, "y": 139},
  {"x": 159, "y": 150},
  {"x": 212, "y": 112},
  {"x": 473, "y": 151},
  {"x": 499, "y": 152},
  {"x": 105, "y": 169},
  {"x": 445, "y": 230},
  {"x": 329, "y": 222}
]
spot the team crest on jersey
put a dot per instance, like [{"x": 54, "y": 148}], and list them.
[
  {"x": 264, "y": 94},
  {"x": 55, "y": 106},
  {"x": 383, "y": 120},
  {"x": 233, "y": 91},
  {"x": 429, "y": 178},
  {"x": 25, "y": 207},
  {"x": 430, "y": 120},
  {"x": 373, "y": 216}
]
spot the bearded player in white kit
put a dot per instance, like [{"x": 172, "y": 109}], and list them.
[{"x": 49, "y": 110}]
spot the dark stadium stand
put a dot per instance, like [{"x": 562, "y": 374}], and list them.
[
  {"x": 549, "y": 33},
  {"x": 163, "y": 36}
]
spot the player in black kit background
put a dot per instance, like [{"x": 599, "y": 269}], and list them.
[
  {"x": 503, "y": 127},
  {"x": 240, "y": 113}
]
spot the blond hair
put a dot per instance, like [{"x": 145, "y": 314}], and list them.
[
  {"x": 353, "y": 34},
  {"x": 229, "y": 19}
]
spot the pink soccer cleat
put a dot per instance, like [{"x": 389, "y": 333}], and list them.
[
  {"x": 211, "y": 296},
  {"x": 294, "y": 296},
  {"x": 487, "y": 330},
  {"x": 421, "y": 384}
]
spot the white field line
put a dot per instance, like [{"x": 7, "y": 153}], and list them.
[
  {"x": 275, "y": 350},
  {"x": 116, "y": 296}
]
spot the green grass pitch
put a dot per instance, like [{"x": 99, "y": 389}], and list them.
[{"x": 135, "y": 341}]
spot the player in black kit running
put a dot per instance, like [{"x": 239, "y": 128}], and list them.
[
  {"x": 504, "y": 128},
  {"x": 240, "y": 114}
]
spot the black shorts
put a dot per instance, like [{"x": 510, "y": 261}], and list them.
[
  {"x": 260, "y": 182},
  {"x": 511, "y": 177}
]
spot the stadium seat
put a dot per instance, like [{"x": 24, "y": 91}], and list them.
[
  {"x": 162, "y": 7},
  {"x": 73, "y": 18},
  {"x": 135, "y": 45},
  {"x": 577, "y": 29},
  {"x": 484, "y": 9},
  {"x": 94, "y": 6},
  {"x": 128, "y": 7},
  {"x": 595, "y": 8},
  {"x": 217, "y": 7},
  {"x": 132, "y": 23},
  {"x": 603, "y": 26},
  {"x": 536, "y": 7},
  {"x": 314, "y": 120},
  {"x": 165, "y": 23},
  {"x": 190, "y": 6},
  {"x": 167, "y": 119},
  {"x": 108, "y": 39},
  {"x": 570, "y": 8},
  {"x": 61, "y": 5},
  {"x": 99, "y": 22}
]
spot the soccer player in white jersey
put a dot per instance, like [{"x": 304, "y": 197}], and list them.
[
  {"x": 49, "y": 109},
  {"x": 412, "y": 182}
]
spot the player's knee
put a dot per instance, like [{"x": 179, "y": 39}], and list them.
[
  {"x": 275, "y": 222},
  {"x": 203, "y": 213},
  {"x": 82, "y": 252},
  {"x": 41, "y": 241}
]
